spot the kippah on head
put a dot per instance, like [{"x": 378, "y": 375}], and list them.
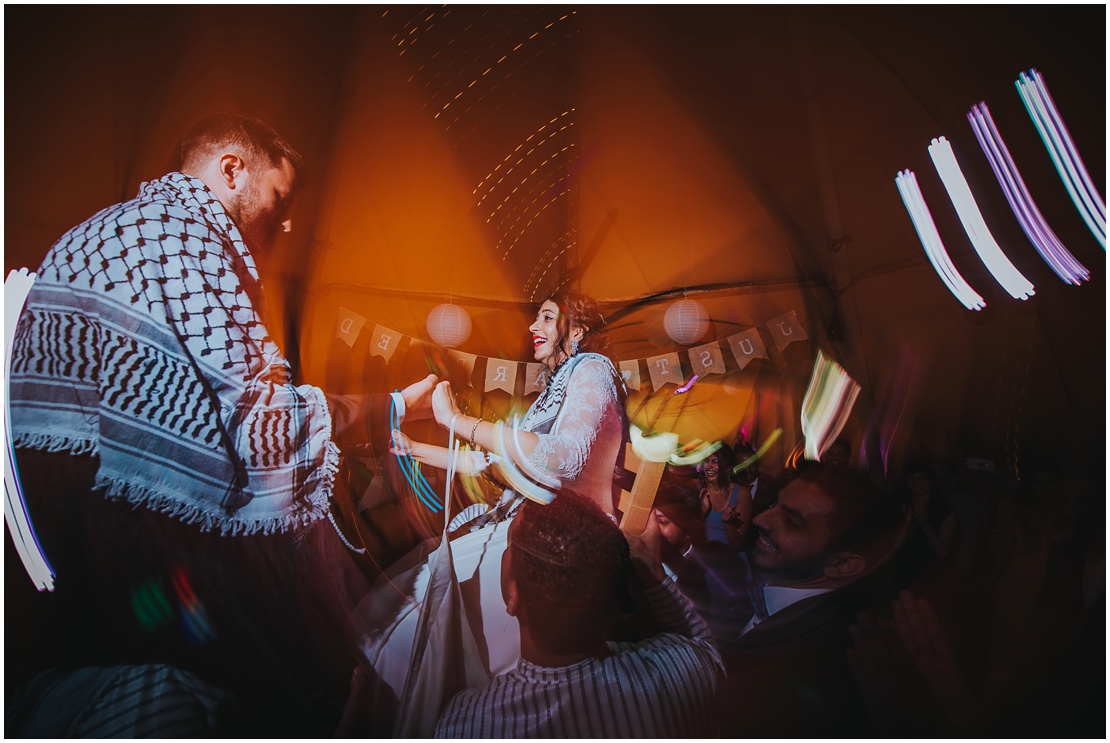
[
  {"x": 253, "y": 139},
  {"x": 568, "y": 559}
]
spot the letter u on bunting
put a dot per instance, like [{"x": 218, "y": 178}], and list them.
[
  {"x": 786, "y": 329},
  {"x": 630, "y": 373},
  {"x": 533, "y": 379},
  {"x": 665, "y": 369},
  {"x": 348, "y": 325},
  {"x": 384, "y": 342},
  {"x": 747, "y": 346},
  {"x": 500, "y": 374},
  {"x": 707, "y": 359}
]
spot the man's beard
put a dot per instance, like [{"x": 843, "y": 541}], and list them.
[
  {"x": 258, "y": 228},
  {"x": 799, "y": 572}
]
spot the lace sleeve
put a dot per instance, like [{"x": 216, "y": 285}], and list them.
[{"x": 590, "y": 391}]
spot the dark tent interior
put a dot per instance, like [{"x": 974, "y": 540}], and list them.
[{"x": 743, "y": 157}]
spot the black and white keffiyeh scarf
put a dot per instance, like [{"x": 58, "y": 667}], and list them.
[{"x": 141, "y": 343}]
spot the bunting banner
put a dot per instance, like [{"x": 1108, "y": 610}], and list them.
[
  {"x": 348, "y": 326},
  {"x": 500, "y": 375},
  {"x": 384, "y": 342},
  {"x": 786, "y": 329},
  {"x": 747, "y": 346},
  {"x": 665, "y": 369},
  {"x": 534, "y": 378},
  {"x": 630, "y": 371},
  {"x": 707, "y": 359},
  {"x": 466, "y": 361}
]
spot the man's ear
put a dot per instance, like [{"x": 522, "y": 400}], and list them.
[
  {"x": 843, "y": 565},
  {"x": 231, "y": 169}
]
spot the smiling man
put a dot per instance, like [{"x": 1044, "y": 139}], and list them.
[{"x": 817, "y": 560}]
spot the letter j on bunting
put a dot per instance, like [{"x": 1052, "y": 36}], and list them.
[
  {"x": 665, "y": 369},
  {"x": 384, "y": 342},
  {"x": 348, "y": 325},
  {"x": 500, "y": 375},
  {"x": 786, "y": 329}
]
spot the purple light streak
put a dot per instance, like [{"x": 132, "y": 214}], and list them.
[{"x": 1021, "y": 202}]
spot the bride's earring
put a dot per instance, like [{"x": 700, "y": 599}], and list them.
[{"x": 574, "y": 348}]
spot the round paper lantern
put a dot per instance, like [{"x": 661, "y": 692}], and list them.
[
  {"x": 449, "y": 325},
  {"x": 686, "y": 321}
]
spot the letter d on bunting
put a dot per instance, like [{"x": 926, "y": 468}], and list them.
[{"x": 348, "y": 325}]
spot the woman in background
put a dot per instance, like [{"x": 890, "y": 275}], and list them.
[{"x": 727, "y": 510}]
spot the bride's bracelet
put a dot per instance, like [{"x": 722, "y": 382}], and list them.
[{"x": 474, "y": 430}]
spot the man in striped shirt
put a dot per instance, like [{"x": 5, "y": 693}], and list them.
[{"x": 560, "y": 577}]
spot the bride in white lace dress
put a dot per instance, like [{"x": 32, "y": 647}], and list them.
[{"x": 571, "y": 435}]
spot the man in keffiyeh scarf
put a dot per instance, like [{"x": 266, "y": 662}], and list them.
[{"x": 142, "y": 370}]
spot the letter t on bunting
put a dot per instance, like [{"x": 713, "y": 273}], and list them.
[
  {"x": 786, "y": 329},
  {"x": 665, "y": 369},
  {"x": 384, "y": 342},
  {"x": 630, "y": 373},
  {"x": 707, "y": 359},
  {"x": 348, "y": 325},
  {"x": 500, "y": 374},
  {"x": 533, "y": 378},
  {"x": 747, "y": 346}
]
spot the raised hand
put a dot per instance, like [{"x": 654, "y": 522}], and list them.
[
  {"x": 418, "y": 398},
  {"x": 443, "y": 404},
  {"x": 645, "y": 550}
]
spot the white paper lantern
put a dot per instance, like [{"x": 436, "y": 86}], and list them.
[
  {"x": 449, "y": 325},
  {"x": 686, "y": 321}
]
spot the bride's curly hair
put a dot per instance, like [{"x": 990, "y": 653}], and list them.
[{"x": 579, "y": 310}]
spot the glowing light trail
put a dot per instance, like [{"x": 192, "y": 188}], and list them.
[
  {"x": 996, "y": 261},
  {"x": 1021, "y": 202},
  {"x": 930, "y": 239},
  {"x": 827, "y": 404},
  {"x": 1062, "y": 150}
]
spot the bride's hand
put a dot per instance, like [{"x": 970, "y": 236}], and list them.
[
  {"x": 443, "y": 404},
  {"x": 402, "y": 445}
]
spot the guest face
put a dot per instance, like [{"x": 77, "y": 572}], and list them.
[
  {"x": 836, "y": 456},
  {"x": 711, "y": 467},
  {"x": 261, "y": 209},
  {"x": 795, "y": 533}
]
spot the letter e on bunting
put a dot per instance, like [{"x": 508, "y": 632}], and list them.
[
  {"x": 534, "y": 379},
  {"x": 348, "y": 325},
  {"x": 665, "y": 369},
  {"x": 747, "y": 346},
  {"x": 384, "y": 342},
  {"x": 500, "y": 375},
  {"x": 630, "y": 373},
  {"x": 707, "y": 359},
  {"x": 786, "y": 329}
]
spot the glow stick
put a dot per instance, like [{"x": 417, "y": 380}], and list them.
[
  {"x": 16, "y": 288},
  {"x": 930, "y": 240},
  {"x": 410, "y": 468},
  {"x": 827, "y": 404},
  {"x": 1028, "y": 215},
  {"x": 972, "y": 219},
  {"x": 1062, "y": 150}
]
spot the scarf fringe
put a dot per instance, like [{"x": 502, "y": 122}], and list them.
[
  {"x": 54, "y": 443},
  {"x": 189, "y": 513}
]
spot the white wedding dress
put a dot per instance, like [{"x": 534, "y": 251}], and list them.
[{"x": 579, "y": 422}]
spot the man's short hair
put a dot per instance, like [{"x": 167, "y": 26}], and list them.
[
  {"x": 863, "y": 514},
  {"x": 251, "y": 139},
  {"x": 569, "y": 562}
]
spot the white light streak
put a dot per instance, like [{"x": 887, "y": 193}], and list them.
[
  {"x": 1062, "y": 150},
  {"x": 930, "y": 239},
  {"x": 996, "y": 261}
]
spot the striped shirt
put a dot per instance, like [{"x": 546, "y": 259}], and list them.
[{"x": 662, "y": 687}]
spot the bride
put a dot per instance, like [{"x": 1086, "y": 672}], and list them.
[{"x": 570, "y": 437}]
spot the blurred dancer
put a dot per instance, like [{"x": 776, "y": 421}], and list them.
[
  {"x": 158, "y": 427},
  {"x": 572, "y": 432}
]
